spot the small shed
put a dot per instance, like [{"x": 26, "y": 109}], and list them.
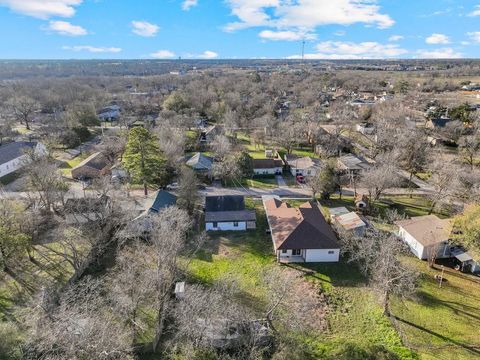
[
  {"x": 334, "y": 212},
  {"x": 180, "y": 290}
]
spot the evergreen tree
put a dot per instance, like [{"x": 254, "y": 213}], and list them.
[{"x": 144, "y": 161}]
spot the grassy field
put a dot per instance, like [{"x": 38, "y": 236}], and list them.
[
  {"x": 357, "y": 329},
  {"x": 442, "y": 323},
  {"x": 409, "y": 206},
  {"x": 437, "y": 324},
  {"x": 67, "y": 166}
]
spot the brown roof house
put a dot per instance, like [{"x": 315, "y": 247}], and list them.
[
  {"x": 426, "y": 234},
  {"x": 300, "y": 234},
  {"x": 90, "y": 168}
]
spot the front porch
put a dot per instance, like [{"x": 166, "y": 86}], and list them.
[{"x": 291, "y": 259}]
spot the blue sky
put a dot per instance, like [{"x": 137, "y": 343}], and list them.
[{"x": 229, "y": 29}]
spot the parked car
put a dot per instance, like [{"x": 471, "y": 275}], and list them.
[
  {"x": 172, "y": 186},
  {"x": 300, "y": 179}
]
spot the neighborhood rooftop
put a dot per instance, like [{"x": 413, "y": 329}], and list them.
[
  {"x": 428, "y": 229},
  {"x": 11, "y": 151},
  {"x": 298, "y": 228}
]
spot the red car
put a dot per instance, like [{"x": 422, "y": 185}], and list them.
[{"x": 300, "y": 179}]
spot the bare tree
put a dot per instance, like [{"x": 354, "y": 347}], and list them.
[
  {"x": 187, "y": 189},
  {"x": 444, "y": 182},
  {"x": 46, "y": 182},
  {"x": 169, "y": 234},
  {"x": 81, "y": 326},
  {"x": 23, "y": 108},
  {"x": 378, "y": 256},
  {"x": 221, "y": 147},
  {"x": 378, "y": 178}
]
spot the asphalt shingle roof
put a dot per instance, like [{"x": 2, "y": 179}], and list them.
[{"x": 11, "y": 151}]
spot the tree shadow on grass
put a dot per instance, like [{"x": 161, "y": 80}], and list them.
[
  {"x": 338, "y": 274},
  {"x": 474, "y": 349},
  {"x": 472, "y": 313}
]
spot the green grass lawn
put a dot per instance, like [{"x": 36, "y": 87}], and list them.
[
  {"x": 67, "y": 166},
  {"x": 437, "y": 324},
  {"x": 442, "y": 323},
  {"x": 409, "y": 206},
  {"x": 356, "y": 324}
]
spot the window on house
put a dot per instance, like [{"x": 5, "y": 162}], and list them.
[
  {"x": 215, "y": 224},
  {"x": 296, "y": 252},
  {"x": 235, "y": 224},
  {"x": 331, "y": 252},
  {"x": 284, "y": 251}
]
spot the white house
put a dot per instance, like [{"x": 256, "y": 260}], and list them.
[
  {"x": 300, "y": 234},
  {"x": 365, "y": 128},
  {"x": 426, "y": 235},
  {"x": 267, "y": 166},
  {"x": 13, "y": 156},
  {"x": 227, "y": 213},
  {"x": 305, "y": 166}
]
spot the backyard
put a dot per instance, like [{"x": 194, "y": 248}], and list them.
[{"x": 444, "y": 320}]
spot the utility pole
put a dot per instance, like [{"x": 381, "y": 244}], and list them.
[
  {"x": 303, "y": 50},
  {"x": 441, "y": 277}
]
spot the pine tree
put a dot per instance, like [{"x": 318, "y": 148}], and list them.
[{"x": 144, "y": 161}]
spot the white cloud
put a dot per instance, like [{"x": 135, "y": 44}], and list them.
[
  {"x": 93, "y": 49},
  {"x": 144, "y": 28},
  {"x": 188, "y": 4},
  {"x": 444, "y": 53},
  {"x": 350, "y": 50},
  {"x": 305, "y": 14},
  {"x": 163, "y": 54},
  {"x": 395, "y": 38},
  {"x": 43, "y": 9},
  {"x": 286, "y": 35},
  {"x": 437, "y": 39},
  {"x": 475, "y": 36},
  {"x": 207, "y": 54},
  {"x": 66, "y": 28},
  {"x": 476, "y": 11},
  {"x": 340, "y": 33}
]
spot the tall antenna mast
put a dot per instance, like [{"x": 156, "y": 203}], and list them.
[{"x": 303, "y": 50}]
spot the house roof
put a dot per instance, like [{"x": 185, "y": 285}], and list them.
[
  {"x": 200, "y": 162},
  {"x": 428, "y": 229},
  {"x": 11, "y": 151},
  {"x": 352, "y": 162},
  {"x": 349, "y": 221},
  {"x": 302, "y": 162},
  {"x": 240, "y": 215},
  {"x": 267, "y": 163},
  {"x": 224, "y": 203},
  {"x": 162, "y": 200},
  {"x": 338, "y": 211},
  {"x": 96, "y": 161},
  {"x": 440, "y": 122},
  {"x": 85, "y": 205},
  {"x": 298, "y": 228}
]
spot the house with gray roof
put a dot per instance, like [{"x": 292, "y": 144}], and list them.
[
  {"x": 13, "y": 156},
  {"x": 228, "y": 213},
  {"x": 200, "y": 162},
  {"x": 305, "y": 166}
]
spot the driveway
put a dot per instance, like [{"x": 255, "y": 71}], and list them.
[{"x": 281, "y": 181}]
